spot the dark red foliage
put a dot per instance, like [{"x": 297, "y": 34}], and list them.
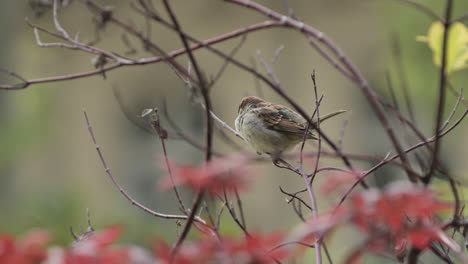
[
  {"x": 92, "y": 248},
  {"x": 100, "y": 248},
  {"x": 201, "y": 251},
  {"x": 30, "y": 249},
  {"x": 96, "y": 247},
  {"x": 393, "y": 220},
  {"x": 401, "y": 210},
  {"x": 107, "y": 237},
  {"x": 255, "y": 248},
  {"x": 230, "y": 173},
  {"x": 337, "y": 179}
]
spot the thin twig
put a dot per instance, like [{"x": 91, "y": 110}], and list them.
[
  {"x": 461, "y": 19},
  {"x": 191, "y": 218},
  {"x": 276, "y": 88},
  {"x": 268, "y": 69},
  {"x": 209, "y": 124},
  {"x": 454, "y": 110},
  {"x": 258, "y": 87},
  {"x": 423, "y": 9},
  {"x": 442, "y": 93},
  {"x": 233, "y": 214},
  {"x": 397, "y": 54},
  {"x": 121, "y": 190},
  {"x": 344, "y": 124},
  {"x": 184, "y": 136},
  {"x": 357, "y": 77},
  {"x": 223, "y": 67},
  {"x": 290, "y": 243},
  {"x": 131, "y": 117},
  {"x": 310, "y": 192},
  {"x": 235, "y": 144},
  {"x": 201, "y": 81},
  {"x": 241, "y": 208},
  {"x": 294, "y": 196},
  {"x": 415, "y": 146},
  {"x": 319, "y": 49},
  {"x": 319, "y": 139},
  {"x": 162, "y": 133},
  {"x": 58, "y": 27},
  {"x": 14, "y": 74}
]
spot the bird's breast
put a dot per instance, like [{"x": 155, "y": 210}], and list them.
[{"x": 262, "y": 138}]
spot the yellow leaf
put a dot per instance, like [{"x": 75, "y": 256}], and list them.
[{"x": 457, "y": 48}]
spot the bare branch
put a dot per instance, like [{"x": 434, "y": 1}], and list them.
[
  {"x": 182, "y": 134},
  {"x": 209, "y": 125},
  {"x": 423, "y": 9},
  {"x": 310, "y": 192},
  {"x": 268, "y": 68},
  {"x": 371, "y": 95},
  {"x": 122, "y": 191},
  {"x": 442, "y": 90},
  {"x": 58, "y": 27},
  {"x": 416, "y": 146},
  {"x": 162, "y": 133},
  {"x": 223, "y": 67},
  {"x": 454, "y": 110},
  {"x": 461, "y": 19},
  {"x": 294, "y": 196}
]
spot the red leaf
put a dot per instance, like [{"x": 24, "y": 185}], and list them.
[
  {"x": 34, "y": 244},
  {"x": 231, "y": 173},
  {"x": 392, "y": 208},
  {"x": 338, "y": 179},
  {"x": 421, "y": 236},
  {"x": 162, "y": 250},
  {"x": 7, "y": 246},
  {"x": 252, "y": 249},
  {"x": 115, "y": 256},
  {"x": 200, "y": 251},
  {"x": 317, "y": 226},
  {"x": 257, "y": 248},
  {"x": 108, "y": 236},
  {"x": 93, "y": 245}
]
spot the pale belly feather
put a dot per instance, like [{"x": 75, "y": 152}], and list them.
[{"x": 263, "y": 139}]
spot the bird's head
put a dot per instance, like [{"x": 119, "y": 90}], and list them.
[{"x": 250, "y": 102}]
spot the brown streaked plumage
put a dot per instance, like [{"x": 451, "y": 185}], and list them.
[{"x": 271, "y": 128}]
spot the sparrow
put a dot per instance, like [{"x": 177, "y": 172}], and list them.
[{"x": 272, "y": 128}]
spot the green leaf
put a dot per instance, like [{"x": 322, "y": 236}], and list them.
[{"x": 457, "y": 49}]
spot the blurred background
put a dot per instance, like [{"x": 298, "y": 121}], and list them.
[{"x": 50, "y": 172}]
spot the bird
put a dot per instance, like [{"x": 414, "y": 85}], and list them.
[{"x": 272, "y": 128}]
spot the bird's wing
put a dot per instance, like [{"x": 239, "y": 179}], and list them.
[{"x": 275, "y": 119}]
